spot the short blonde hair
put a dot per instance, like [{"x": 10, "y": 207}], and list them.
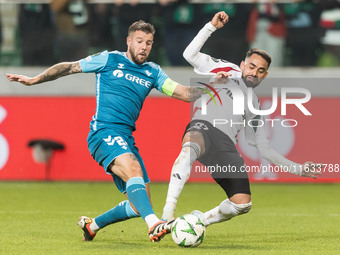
[{"x": 141, "y": 25}]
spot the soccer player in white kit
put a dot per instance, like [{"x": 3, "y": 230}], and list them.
[{"x": 213, "y": 144}]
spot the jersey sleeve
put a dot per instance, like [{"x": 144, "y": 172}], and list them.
[
  {"x": 203, "y": 63},
  {"x": 192, "y": 52},
  {"x": 160, "y": 79},
  {"x": 94, "y": 63}
]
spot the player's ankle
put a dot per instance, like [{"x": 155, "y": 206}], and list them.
[
  {"x": 94, "y": 227},
  {"x": 204, "y": 220},
  {"x": 151, "y": 220},
  {"x": 169, "y": 211}
]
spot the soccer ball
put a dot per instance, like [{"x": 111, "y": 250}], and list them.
[{"x": 188, "y": 231}]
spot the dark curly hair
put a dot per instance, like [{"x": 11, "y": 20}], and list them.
[{"x": 261, "y": 53}]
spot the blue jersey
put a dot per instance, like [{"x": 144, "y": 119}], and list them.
[{"x": 121, "y": 88}]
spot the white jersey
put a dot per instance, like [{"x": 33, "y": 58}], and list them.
[{"x": 220, "y": 114}]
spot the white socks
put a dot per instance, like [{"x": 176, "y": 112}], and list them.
[
  {"x": 151, "y": 220},
  {"x": 94, "y": 227},
  {"x": 179, "y": 175},
  {"x": 225, "y": 211}
]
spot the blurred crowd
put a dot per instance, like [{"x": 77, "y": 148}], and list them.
[{"x": 296, "y": 33}]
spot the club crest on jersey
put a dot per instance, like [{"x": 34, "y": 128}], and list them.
[{"x": 215, "y": 60}]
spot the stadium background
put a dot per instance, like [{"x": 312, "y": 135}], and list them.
[{"x": 61, "y": 110}]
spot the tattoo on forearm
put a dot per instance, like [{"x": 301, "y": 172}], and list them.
[
  {"x": 194, "y": 93},
  {"x": 59, "y": 70}
]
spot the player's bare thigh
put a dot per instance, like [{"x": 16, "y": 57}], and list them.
[
  {"x": 195, "y": 137},
  {"x": 126, "y": 166}
]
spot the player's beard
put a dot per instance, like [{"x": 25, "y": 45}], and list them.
[
  {"x": 251, "y": 83},
  {"x": 135, "y": 58}
]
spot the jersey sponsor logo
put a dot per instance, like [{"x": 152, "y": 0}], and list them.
[
  {"x": 133, "y": 78},
  {"x": 118, "y": 73},
  {"x": 138, "y": 80}
]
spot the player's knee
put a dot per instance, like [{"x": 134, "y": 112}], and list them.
[
  {"x": 134, "y": 169},
  {"x": 126, "y": 167},
  {"x": 194, "y": 137},
  {"x": 193, "y": 150}
]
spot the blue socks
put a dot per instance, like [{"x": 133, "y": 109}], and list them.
[
  {"x": 136, "y": 192},
  {"x": 121, "y": 212}
]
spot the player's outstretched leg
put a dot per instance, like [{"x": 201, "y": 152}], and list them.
[
  {"x": 179, "y": 175},
  {"x": 225, "y": 211},
  {"x": 121, "y": 212},
  {"x": 130, "y": 169}
]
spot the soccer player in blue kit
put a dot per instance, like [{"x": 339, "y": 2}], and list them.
[{"x": 123, "y": 80}]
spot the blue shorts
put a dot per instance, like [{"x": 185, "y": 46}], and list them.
[{"x": 107, "y": 144}]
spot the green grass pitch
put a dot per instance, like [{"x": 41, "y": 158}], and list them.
[{"x": 40, "y": 218}]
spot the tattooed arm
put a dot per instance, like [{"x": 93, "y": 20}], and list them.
[
  {"x": 189, "y": 94},
  {"x": 50, "y": 74}
]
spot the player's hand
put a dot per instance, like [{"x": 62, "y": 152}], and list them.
[
  {"x": 220, "y": 19},
  {"x": 28, "y": 81},
  {"x": 310, "y": 169},
  {"x": 222, "y": 77}
]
